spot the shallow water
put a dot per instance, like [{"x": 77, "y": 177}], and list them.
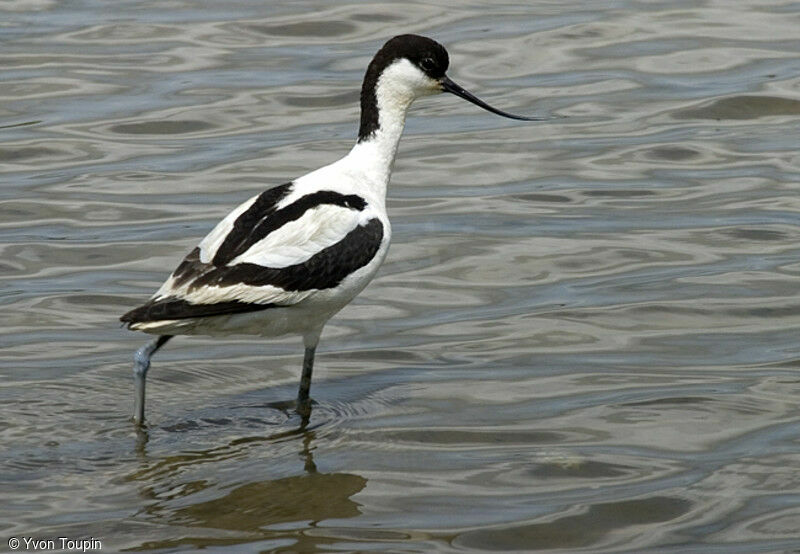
[{"x": 585, "y": 335}]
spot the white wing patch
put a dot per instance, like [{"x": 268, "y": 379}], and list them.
[
  {"x": 246, "y": 293},
  {"x": 299, "y": 240},
  {"x": 267, "y": 294}
]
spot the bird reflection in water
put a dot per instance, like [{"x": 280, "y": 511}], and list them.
[{"x": 280, "y": 510}]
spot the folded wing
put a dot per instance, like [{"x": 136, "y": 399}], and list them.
[{"x": 273, "y": 250}]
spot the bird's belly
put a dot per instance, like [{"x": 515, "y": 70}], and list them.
[{"x": 272, "y": 322}]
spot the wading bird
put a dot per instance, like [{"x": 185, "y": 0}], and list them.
[{"x": 288, "y": 259}]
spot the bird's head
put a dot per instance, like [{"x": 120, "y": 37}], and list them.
[{"x": 410, "y": 66}]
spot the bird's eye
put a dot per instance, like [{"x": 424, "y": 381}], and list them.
[{"x": 427, "y": 64}]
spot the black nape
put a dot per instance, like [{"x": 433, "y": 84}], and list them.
[{"x": 427, "y": 54}]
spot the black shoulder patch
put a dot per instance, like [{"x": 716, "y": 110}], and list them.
[
  {"x": 176, "y": 308},
  {"x": 325, "y": 270},
  {"x": 257, "y": 222},
  {"x": 263, "y": 207}
]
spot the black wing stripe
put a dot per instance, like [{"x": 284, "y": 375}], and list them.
[
  {"x": 264, "y": 206},
  {"x": 262, "y": 218},
  {"x": 190, "y": 268},
  {"x": 324, "y": 270},
  {"x": 176, "y": 308}
]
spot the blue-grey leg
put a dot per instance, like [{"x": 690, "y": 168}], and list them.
[
  {"x": 305, "y": 378},
  {"x": 310, "y": 342},
  {"x": 141, "y": 363}
]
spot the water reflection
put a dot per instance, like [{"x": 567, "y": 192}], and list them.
[{"x": 274, "y": 510}]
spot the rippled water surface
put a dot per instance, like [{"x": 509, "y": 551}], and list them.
[{"x": 586, "y": 335}]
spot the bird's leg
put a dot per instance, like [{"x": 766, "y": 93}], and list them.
[
  {"x": 303, "y": 401},
  {"x": 141, "y": 363},
  {"x": 310, "y": 341}
]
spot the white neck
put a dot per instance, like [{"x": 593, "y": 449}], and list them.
[
  {"x": 375, "y": 155},
  {"x": 395, "y": 90}
]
